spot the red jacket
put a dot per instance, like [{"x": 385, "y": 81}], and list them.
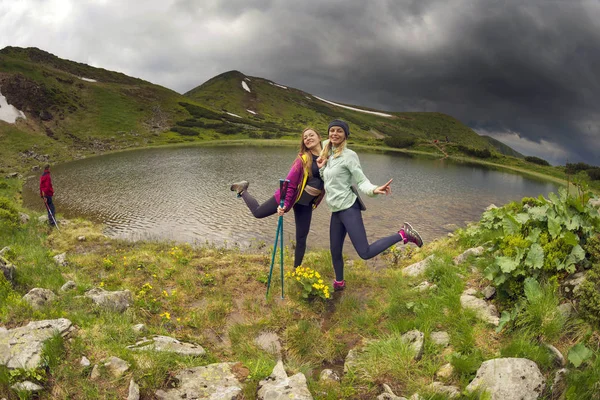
[{"x": 46, "y": 184}]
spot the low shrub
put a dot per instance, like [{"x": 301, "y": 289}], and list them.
[
  {"x": 589, "y": 296},
  {"x": 478, "y": 153},
  {"x": 9, "y": 214},
  {"x": 399, "y": 142},
  {"x": 537, "y": 160},
  {"x": 184, "y": 131}
]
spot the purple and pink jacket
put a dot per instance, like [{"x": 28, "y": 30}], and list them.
[{"x": 297, "y": 177}]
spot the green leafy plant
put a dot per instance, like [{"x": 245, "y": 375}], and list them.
[{"x": 579, "y": 354}]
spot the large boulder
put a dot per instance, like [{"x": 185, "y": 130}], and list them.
[
  {"x": 169, "y": 345},
  {"x": 22, "y": 347},
  {"x": 39, "y": 297},
  {"x": 214, "y": 381},
  {"x": 278, "y": 386},
  {"x": 509, "y": 379},
  {"x": 116, "y": 301}
]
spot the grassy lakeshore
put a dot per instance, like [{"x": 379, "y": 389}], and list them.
[{"x": 215, "y": 297}]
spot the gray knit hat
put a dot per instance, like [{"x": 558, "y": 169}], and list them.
[{"x": 341, "y": 124}]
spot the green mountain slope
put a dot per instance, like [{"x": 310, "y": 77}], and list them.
[
  {"x": 74, "y": 110},
  {"x": 503, "y": 148}
]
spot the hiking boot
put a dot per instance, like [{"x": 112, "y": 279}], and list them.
[
  {"x": 239, "y": 187},
  {"x": 409, "y": 234},
  {"x": 338, "y": 286}
]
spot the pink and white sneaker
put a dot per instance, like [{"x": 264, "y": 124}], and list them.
[{"x": 409, "y": 234}]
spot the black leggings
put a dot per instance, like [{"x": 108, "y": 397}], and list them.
[
  {"x": 302, "y": 217},
  {"x": 349, "y": 221}
]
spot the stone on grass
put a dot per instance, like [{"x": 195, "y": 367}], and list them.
[
  {"x": 440, "y": 338},
  {"x": 139, "y": 328},
  {"x": 85, "y": 362},
  {"x": 43, "y": 219},
  {"x": 415, "y": 338},
  {"x": 39, "y": 297},
  {"x": 169, "y": 345},
  {"x": 475, "y": 251},
  {"x": 559, "y": 359},
  {"x": 571, "y": 285},
  {"x": 269, "y": 342},
  {"x": 134, "y": 390},
  {"x": 23, "y": 218},
  {"x": 486, "y": 312},
  {"x": 95, "y": 372},
  {"x": 509, "y": 379},
  {"x": 425, "y": 285},
  {"x": 116, "y": 367},
  {"x": 351, "y": 360},
  {"x": 418, "y": 268},
  {"x": 278, "y": 386},
  {"x": 214, "y": 381},
  {"x": 116, "y": 301},
  {"x": 558, "y": 383},
  {"x": 388, "y": 394},
  {"x": 445, "y": 371},
  {"x": 329, "y": 375},
  {"x": 7, "y": 269},
  {"x": 61, "y": 259},
  {"x": 488, "y": 292},
  {"x": 451, "y": 392},
  {"x": 566, "y": 309},
  {"x": 22, "y": 347},
  {"x": 27, "y": 386},
  {"x": 70, "y": 285},
  {"x": 81, "y": 238}
]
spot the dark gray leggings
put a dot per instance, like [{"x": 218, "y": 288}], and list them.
[
  {"x": 349, "y": 221},
  {"x": 302, "y": 217}
]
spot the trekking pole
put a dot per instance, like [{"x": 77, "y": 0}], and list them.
[
  {"x": 283, "y": 184},
  {"x": 50, "y": 212}
]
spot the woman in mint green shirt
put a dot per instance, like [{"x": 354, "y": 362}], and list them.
[{"x": 339, "y": 166}]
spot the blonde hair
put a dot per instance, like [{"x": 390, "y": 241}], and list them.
[
  {"x": 307, "y": 161},
  {"x": 326, "y": 152}
]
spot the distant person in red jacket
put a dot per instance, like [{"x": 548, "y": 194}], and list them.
[
  {"x": 46, "y": 192},
  {"x": 304, "y": 192}
]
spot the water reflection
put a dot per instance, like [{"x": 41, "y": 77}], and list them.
[{"x": 183, "y": 193}]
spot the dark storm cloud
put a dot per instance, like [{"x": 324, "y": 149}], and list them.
[{"x": 524, "y": 72}]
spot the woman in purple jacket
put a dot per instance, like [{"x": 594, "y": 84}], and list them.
[{"x": 304, "y": 192}]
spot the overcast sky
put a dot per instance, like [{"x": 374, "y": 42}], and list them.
[{"x": 522, "y": 71}]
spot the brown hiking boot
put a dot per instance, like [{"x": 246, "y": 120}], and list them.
[{"x": 239, "y": 187}]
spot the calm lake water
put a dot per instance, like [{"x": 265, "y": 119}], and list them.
[{"x": 183, "y": 194}]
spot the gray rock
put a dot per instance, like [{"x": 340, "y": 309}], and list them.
[
  {"x": 418, "y": 268},
  {"x": 595, "y": 202},
  {"x": 134, "y": 390},
  {"x": 61, "y": 259},
  {"x": 329, "y": 375},
  {"x": 7, "y": 269},
  {"x": 269, "y": 342},
  {"x": 488, "y": 292},
  {"x": 440, "y": 338},
  {"x": 471, "y": 292},
  {"x": 351, "y": 360},
  {"x": 27, "y": 386},
  {"x": 415, "y": 338},
  {"x": 388, "y": 394},
  {"x": 85, "y": 362},
  {"x": 278, "y": 386},
  {"x": 12, "y": 175},
  {"x": 559, "y": 359},
  {"x": 214, "y": 381},
  {"x": 70, "y": 285},
  {"x": 139, "y": 328},
  {"x": 451, "y": 392},
  {"x": 81, "y": 238},
  {"x": 486, "y": 312},
  {"x": 566, "y": 309},
  {"x": 572, "y": 284},
  {"x": 169, "y": 345},
  {"x": 509, "y": 379},
  {"x": 43, "y": 219},
  {"x": 39, "y": 297},
  {"x": 445, "y": 371},
  {"x": 425, "y": 285},
  {"x": 22, "y": 347},
  {"x": 117, "y": 301},
  {"x": 476, "y": 251},
  {"x": 116, "y": 367},
  {"x": 95, "y": 373},
  {"x": 23, "y": 218},
  {"x": 558, "y": 384}
]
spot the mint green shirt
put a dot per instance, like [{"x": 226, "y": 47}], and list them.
[{"x": 338, "y": 175}]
